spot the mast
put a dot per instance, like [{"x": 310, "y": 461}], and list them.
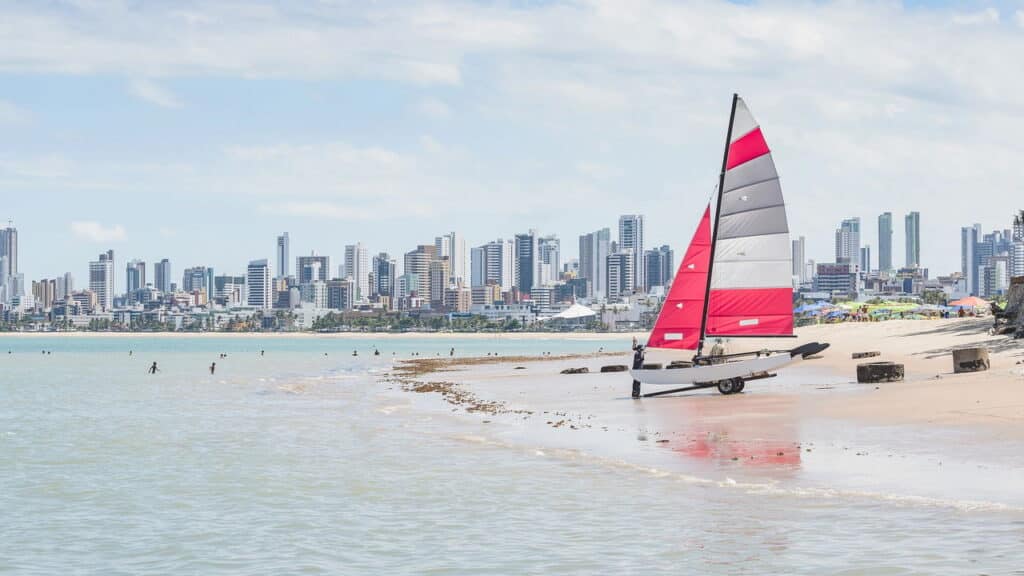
[{"x": 714, "y": 230}]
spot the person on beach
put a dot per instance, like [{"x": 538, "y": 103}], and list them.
[
  {"x": 213, "y": 367},
  {"x": 355, "y": 353},
  {"x": 153, "y": 369},
  {"x": 376, "y": 352},
  {"x": 261, "y": 352},
  {"x": 130, "y": 352},
  {"x": 452, "y": 352}
]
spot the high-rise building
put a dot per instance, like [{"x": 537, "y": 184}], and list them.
[
  {"x": 865, "y": 258},
  {"x": 620, "y": 274},
  {"x": 9, "y": 252},
  {"x": 453, "y": 246},
  {"x": 312, "y": 268},
  {"x": 101, "y": 280},
  {"x": 282, "y": 255},
  {"x": 848, "y": 242},
  {"x": 162, "y": 275},
  {"x": 631, "y": 237},
  {"x": 417, "y": 263},
  {"x": 494, "y": 264},
  {"x": 384, "y": 275},
  {"x": 440, "y": 273},
  {"x": 258, "y": 284},
  {"x": 65, "y": 286},
  {"x": 340, "y": 294},
  {"x": 549, "y": 264},
  {"x": 800, "y": 260},
  {"x": 526, "y": 261},
  {"x": 195, "y": 279},
  {"x": 912, "y": 225},
  {"x": 659, "y": 265},
  {"x": 885, "y": 242},
  {"x": 135, "y": 277},
  {"x": 594, "y": 250},
  {"x": 357, "y": 267},
  {"x": 969, "y": 237}
]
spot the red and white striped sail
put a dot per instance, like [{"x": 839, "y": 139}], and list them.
[
  {"x": 751, "y": 284},
  {"x": 678, "y": 324}
]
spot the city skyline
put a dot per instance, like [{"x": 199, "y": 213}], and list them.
[{"x": 519, "y": 126}]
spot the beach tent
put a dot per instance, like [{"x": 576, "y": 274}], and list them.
[
  {"x": 574, "y": 312},
  {"x": 970, "y": 302}
]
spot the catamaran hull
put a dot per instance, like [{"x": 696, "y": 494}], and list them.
[{"x": 709, "y": 374}]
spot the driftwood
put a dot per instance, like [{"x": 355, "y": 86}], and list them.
[
  {"x": 614, "y": 368},
  {"x": 859, "y": 355},
  {"x": 970, "y": 360},
  {"x": 872, "y": 372},
  {"x": 583, "y": 370}
]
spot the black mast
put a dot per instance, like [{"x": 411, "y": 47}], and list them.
[{"x": 714, "y": 231}]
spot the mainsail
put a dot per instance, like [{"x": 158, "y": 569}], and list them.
[
  {"x": 678, "y": 324},
  {"x": 737, "y": 281},
  {"x": 751, "y": 289}
]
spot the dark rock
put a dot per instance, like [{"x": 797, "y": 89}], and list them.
[
  {"x": 652, "y": 366},
  {"x": 879, "y": 372},
  {"x": 614, "y": 368},
  {"x": 582, "y": 370},
  {"x": 859, "y": 355}
]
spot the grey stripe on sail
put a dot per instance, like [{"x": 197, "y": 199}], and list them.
[
  {"x": 743, "y": 122},
  {"x": 759, "y": 222},
  {"x": 773, "y": 247},
  {"x": 760, "y": 195},
  {"x": 757, "y": 170}
]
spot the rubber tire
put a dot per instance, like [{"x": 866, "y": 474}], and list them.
[
  {"x": 727, "y": 387},
  {"x": 741, "y": 386}
]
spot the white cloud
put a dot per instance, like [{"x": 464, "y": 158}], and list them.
[
  {"x": 153, "y": 93},
  {"x": 986, "y": 16},
  {"x": 1019, "y": 17},
  {"x": 93, "y": 231},
  {"x": 11, "y": 113},
  {"x": 433, "y": 108}
]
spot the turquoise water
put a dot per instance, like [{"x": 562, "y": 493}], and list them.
[{"x": 299, "y": 463}]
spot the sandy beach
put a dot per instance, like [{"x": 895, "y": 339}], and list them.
[{"x": 812, "y": 416}]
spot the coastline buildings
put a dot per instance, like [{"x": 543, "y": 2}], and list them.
[
  {"x": 526, "y": 261},
  {"x": 885, "y": 242},
  {"x": 631, "y": 238},
  {"x": 912, "y": 225},
  {"x": 135, "y": 277},
  {"x": 162, "y": 275},
  {"x": 660, "y": 267},
  {"x": 384, "y": 277},
  {"x": 848, "y": 242},
  {"x": 101, "y": 280},
  {"x": 283, "y": 245},
  {"x": 494, "y": 264},
  {"x": 594, "y": 251},
  {"x": 357, "y": 267},
  {"x": 11, "y": 284},
  {"x": 799, "y": 260},
  {"x": 258, "y": 284}
]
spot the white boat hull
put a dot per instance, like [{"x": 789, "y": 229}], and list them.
[{"x": 714, "y": 372}]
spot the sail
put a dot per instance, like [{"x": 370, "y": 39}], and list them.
[
  {"x": 751, "y": 288},
  {"x": 678, "y": 324}
]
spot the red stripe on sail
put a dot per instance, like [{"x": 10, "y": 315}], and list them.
[
  {"x": 750, "y": 312},
  {"x": 750, "y": 146},
  {"x": 678, "y": 324}
]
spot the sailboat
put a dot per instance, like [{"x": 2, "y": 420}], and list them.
[{"x": 734, "y": 280}]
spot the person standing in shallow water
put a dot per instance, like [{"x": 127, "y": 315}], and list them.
[
  {"x": 153, "y": 369},
  {"x": 213, "y": 367}
]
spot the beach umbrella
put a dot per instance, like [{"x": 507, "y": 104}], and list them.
[{"x": 970, "y": 302}]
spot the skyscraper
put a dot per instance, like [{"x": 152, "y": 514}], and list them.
[
  {"x": 101, "y": 280},
  {"x": 594, "y": 250},
  {"x": 848, "y": 242},
  {"x": 417, "y": 263},
  {"x": 865, "y": 258},
  {"x": 969, "y": 237},
  {"x": 384, "y": 275},
  {"x": 257, "y": 280},
  {"x": 549, "y": 264},
  {"x": 453, "y": 246},
  {"x": 659, "y": 265},
  {"x": 631, "y": 237},
  {"x": 526, "y": 261},
  {"x": 282, "y": 255},
  {"x": 312, "y": 268},
  {"x": 162, "y": 275},
  {"x": 885, "y": 241},
  {"x": 357, "y": 267},
  {"x": 195, "y": 279},
  {"x": 9, "y": 251},
  {"x": 800, "y": 260},
  {"x": 620, "y": 274},
  {"x": 912, "y": 224},
  {"x": 135, "y": 276}
]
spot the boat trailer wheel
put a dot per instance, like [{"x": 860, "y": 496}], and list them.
[{"x": 730, "y": 386}]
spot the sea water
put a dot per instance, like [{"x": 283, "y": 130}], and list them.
[{"x": 300, "y": 460}]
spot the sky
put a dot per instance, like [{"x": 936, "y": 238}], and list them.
[{"x": 200, "y": 131}]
